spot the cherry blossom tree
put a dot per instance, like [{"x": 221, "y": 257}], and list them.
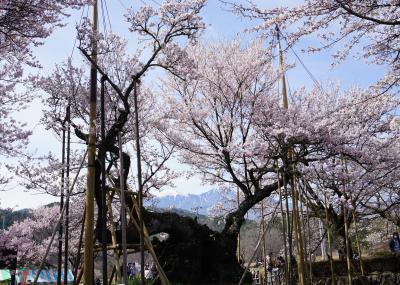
[
  {"x": 344, "y": 148},
  {"x": 211, "y": 120},
  {"x": 220, "y": 110},
  {"x": 344, "y": 143},
  {"x": 216, "y": 111},
  {"x": 164, "y": 33},
  {"x": 31, "y": 236},
  {"x": 366, "y": 29},
  {"x": 23, "y": 26}
]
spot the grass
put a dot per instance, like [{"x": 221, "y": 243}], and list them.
[{"x": 136, "y": 281}]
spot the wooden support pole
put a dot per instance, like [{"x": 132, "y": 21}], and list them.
[
  {"x": 139, "y": 178},
  {"x": 79, "y": 278},
  {"x": 90, "y": 188},
  {"x": 238, "y": 238},
  {"x": 103, "y": 181},
  {"x": 356, "y": 230},
  {"x": 60, "y": 230},
  {"x": 284, "y": 221},
  {"x": 264, "y": 250},
  {"x": 78, "y": 254},
  {"x": 98, "y": 248},
  {"x": 113, "y": 236},
  {"x": 123, "y": 210},
  {"x": 295, "y": 211},
  {"x": 358, "y": 242},
  {"x": 163, "y": 278},
  {"x": 257, "y": 246},
  {"x": 291, "y": 279},
  {"x": 298, "y": 232},
  {"x": 263, "y": 240},
  {"x": 303, "y": 234},
  {"x": 309, "y": 238},
  {"x": 328, "y": 229},
  {"x": 112, "y": 275},
  {"x": 346, "y": 229},
  {"x": 67, "y": 197},
  {"x": 56, "y": 226}
]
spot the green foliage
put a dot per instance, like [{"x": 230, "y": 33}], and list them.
[{"x": 9, "y": 216}]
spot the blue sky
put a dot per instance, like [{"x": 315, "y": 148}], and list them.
[{"x": 221, "y": 25}]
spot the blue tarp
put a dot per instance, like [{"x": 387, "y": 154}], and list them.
[
  {"x": 47, "y": 276},
  {"x": 5, "y": 274}
]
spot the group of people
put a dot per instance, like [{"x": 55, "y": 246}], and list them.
[
  {"x": 272, "y": 262},
  {"x": 134, "y": 271}
]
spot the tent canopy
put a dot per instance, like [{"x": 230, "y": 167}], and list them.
[
  {"x": 5, "y": 274},
  {"x": 47, "y": 276}
]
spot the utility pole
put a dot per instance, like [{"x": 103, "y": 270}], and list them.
[
  {"x": 294, "y": 192},
  {"x": 89, "y": 197},
  {"x": 288, "y": 221}
]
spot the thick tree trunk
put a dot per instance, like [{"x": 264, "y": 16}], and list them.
[
  {"x": 335, "y": 222},
  {"x": 340, "y": 235},
  {"x": 192, "y": 253}
]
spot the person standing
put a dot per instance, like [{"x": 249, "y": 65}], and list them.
[
  {"x": 131, "y": 270},
  {"x": 395, "y": 244}
]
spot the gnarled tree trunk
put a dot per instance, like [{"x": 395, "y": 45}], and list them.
[{"x": 193, "y": 253}]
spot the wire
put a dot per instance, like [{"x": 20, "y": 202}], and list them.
[
  {"x": 108, "y": 15},
  {"x": 310, "y": 74},
  {"x": 290, "y": 90},
  {"x": 103, "y": 18},
  {"x": 306, "y": 69},
  {"x": 76, "y": 38},
  {"x": 123, "y": 5},
  {"x": 156, "y": 2}
]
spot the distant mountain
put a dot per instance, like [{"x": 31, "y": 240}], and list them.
[{"x": 199, "y": 204}]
